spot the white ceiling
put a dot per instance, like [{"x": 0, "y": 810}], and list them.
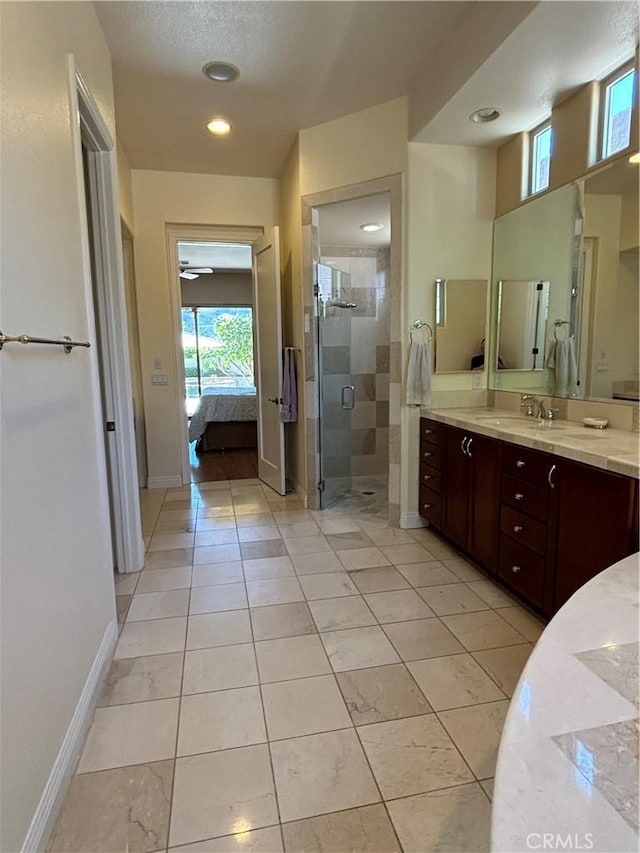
[
  {"x": 303, "y": 63},
  {"x": 339, "y": 223},
  {"x": 558, "y": 48}
]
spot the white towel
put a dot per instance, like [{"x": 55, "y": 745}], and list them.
[
  {"x": 561, "y": 360},
  {"x": 419, "y": 374}
]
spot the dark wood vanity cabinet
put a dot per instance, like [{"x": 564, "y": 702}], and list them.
[
  {"x": 470, "y": 488},
  {"x": 593, "y": 523},
  {"x": 543, "y": 524}
]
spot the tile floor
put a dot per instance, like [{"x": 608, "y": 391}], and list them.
[{"x": 298, "y": 681}]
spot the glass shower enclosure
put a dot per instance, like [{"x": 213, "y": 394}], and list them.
[{"x": 337, "y": 394}]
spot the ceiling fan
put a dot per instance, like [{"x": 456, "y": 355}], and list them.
[{"x": 189, "y": 272}]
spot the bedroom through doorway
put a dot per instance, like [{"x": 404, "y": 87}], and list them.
[{"x": 218, "y": 347}]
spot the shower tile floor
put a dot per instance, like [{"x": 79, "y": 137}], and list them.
[
  {"x": 298, "y": 681},
  {"x": 367, "y": 496}
]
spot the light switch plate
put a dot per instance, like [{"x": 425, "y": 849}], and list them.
[{"x": 159, "y": 379}]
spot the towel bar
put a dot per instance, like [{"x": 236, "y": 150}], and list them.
[{"x": 65, "y": 342}]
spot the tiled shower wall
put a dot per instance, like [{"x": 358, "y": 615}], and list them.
[{"x": 367, "y": 359}]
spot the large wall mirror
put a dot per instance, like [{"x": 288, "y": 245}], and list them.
[
  {"x": 461, "y": 317},
  {"x": 565, "y": 308}
]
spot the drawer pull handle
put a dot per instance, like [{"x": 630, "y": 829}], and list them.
[
  {"x": 427, "y": 453},
  {"x": 516, "y": 569},
  {"x": 520, "y": 463},
  {"x": 428, "y": 477},
  {"x": 519, "y": 496},
  {"x": 550, "y": 476},
  {"x": 426, "y": 506},
  {"x": 517, "y": 528},
  {"x": 462, "y": 444},
  {"x": 428, "y": 431}
]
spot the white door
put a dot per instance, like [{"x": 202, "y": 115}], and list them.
[{"x": 268, "y": 326}]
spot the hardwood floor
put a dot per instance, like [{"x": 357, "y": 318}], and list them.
[{"x": 222, "y": 464}]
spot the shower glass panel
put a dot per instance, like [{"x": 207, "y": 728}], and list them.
[{"x": 336, "y": 387}]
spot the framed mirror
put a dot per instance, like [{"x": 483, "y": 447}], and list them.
[{"x": 460, "y": 327}]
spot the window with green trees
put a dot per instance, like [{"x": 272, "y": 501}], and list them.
[{"x": 218, "y": 349}]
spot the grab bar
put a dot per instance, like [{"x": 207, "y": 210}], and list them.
[{"x": 66, "y": 343}]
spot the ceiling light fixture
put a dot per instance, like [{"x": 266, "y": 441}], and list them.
[
  {"x": 221, "y": 72},
  {"x": 484, "y": 115},
  {"x": 372, "y": 226},
  {"x": 219, "y": 126},
  {"x": 635, "y": 158}
]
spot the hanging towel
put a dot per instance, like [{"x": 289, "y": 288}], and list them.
[
  {"x": 289, "y": 408},
  {"x": 561, "y": 361},
  {"x": 419, "y": 374}
]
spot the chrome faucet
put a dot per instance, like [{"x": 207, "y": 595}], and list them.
[{"x": 532, "y": 406}]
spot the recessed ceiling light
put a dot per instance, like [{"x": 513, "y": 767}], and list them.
[
  {"x": 484, "y": 115},
  {"x": 221, "y": 72},
  {"x": 219, "y": 126},
  {"x": 635, "y": 158},
  {"x": 372, "y": 226}
]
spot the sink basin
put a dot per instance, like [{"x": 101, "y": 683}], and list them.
[{"x": 503, "y": 420}]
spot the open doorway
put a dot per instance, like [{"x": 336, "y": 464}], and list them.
[{"x": 217, "y": 340}]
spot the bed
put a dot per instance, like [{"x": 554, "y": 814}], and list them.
[{"x": 225, "y": 418}]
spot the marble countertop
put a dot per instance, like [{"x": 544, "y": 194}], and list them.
[
  {"x": 568, "y": 758},
  {"x": 613, "y": 449}
]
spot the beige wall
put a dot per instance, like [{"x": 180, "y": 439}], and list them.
[
  {"x": 125, "y": 191},
  {"x": 292, "y": 302},
  {"x": 368, "y": 144},
  {"x": 57, "y": 580},
  {"x": 162, "y": 198},
  {"x": 450, "y": 204}
]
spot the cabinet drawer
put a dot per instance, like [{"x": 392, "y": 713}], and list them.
[
  {"x": 526, "y": 464},
  {"x": 430, "y": 478},
  {"x": 431, "y": 454},
  {"x": 524, "y": 529},
  {"x": 524, "y": 496},
  {"x": 431, "y": 431},
  {"x": 522, "y": 570},
  {"x": 431, "y": 506}
]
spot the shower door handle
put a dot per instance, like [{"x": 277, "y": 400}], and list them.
[{"x": 348, "y": 399}]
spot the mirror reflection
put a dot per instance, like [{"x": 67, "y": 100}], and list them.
[
  {"x": 461, "y": 316},
  {"x": 523, "y": 307},
  {"x": 581, "y": 243}
]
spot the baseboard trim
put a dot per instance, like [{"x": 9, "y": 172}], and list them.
[
  {"x": 411, "y": 520},
  {"x": 174, "y": 482},
  {"x": 64, "y": 766}
]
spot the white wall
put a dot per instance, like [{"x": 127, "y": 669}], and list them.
[
  {"x": 450, "y": 209},
  {"x": 162, "y": 198},
  {"x": 57, "y": 580}
]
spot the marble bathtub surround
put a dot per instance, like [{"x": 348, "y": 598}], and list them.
[
  {"x": 568, "y": 762},
  {"x": 612, "y": 449},
  {"x": 310, "y": 700}
]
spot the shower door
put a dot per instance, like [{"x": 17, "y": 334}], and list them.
[{"x": 335, "y": 383}]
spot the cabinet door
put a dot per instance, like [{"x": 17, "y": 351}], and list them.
[
  {"x": 484, "y": 458},
  {"x": 456, "y": 488},
  {"x": 593, "y": 521}
]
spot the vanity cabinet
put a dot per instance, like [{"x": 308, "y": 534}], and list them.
[
  {"x": 544, "y": 525},
  {"x": 470, "y": 491},
  {"x": 593, "y": 524}
]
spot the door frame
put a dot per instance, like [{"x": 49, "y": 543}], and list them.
[
  {"x": 177, "y": 233},
  {"x": 89, "y": 126},
  {"x": 391, "y": 184}
]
